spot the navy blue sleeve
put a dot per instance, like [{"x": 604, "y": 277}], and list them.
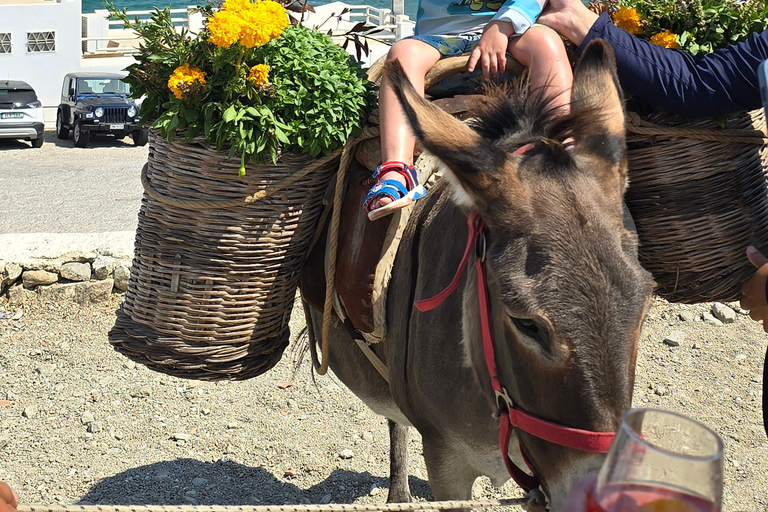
[{"x": 718, "y": 83}]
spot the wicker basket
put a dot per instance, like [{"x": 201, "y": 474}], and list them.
[
  {"x": 217, "y": 260},
  {"x": 699, "y": 198}
]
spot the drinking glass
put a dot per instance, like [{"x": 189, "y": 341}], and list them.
[{"x": 660, "y": 461}]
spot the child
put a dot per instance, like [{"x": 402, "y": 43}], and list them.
[{"x": 487, "y": 28}]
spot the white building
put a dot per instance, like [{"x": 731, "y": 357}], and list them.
[{"x": 39, "y": 44}]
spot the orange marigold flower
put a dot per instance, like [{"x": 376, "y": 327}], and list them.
[
  {"x": 184, "y": 79},
  {"x": 628, "y": 19},
  {"x": 225, "y": 28},
  {"x": 666, "y": 39},
  {"x": 259, "y": 74}
]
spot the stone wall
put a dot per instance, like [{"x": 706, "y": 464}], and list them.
[
  {"x": 85, "y": 268},
  {"x": 82, "y": 280}
]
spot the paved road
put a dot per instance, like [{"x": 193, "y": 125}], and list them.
[{"x": 63, "y": 189}]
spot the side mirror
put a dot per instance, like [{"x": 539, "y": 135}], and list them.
[{"x": 71, "y": 91}]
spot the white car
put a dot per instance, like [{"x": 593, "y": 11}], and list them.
[{"x": 21, "y": 113}]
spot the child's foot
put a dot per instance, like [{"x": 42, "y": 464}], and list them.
[{"x": 396, "y": 186}]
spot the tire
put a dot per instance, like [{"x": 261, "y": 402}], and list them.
[
  {"x": 62, "y": 131},
  {"x": 140, "y": 137},
  {"x": 38, "y": 142},
  {"x": 80, "y": 136}
]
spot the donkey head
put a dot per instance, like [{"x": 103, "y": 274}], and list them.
[{"x": 567, "y": 293}]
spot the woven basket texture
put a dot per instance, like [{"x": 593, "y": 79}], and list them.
[
  {"x": 212, "y": 288},
  {"x": 699, "y": 203}
]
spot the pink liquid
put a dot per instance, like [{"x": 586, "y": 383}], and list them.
[{"x": 648, "y": 498}]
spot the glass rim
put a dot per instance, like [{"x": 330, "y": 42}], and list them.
[{"x": 718, "y": 453}]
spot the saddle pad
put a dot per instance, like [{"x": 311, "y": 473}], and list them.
[{"x": 367, "y": 250}]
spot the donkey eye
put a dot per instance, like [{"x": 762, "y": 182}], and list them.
[{"x": 526, "y": 326}]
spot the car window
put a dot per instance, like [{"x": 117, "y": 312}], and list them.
[
  {"x": 102, "y": 86},
  {"x": 9, "y": 98}
]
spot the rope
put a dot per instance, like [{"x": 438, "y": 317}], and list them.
[
  {"x": 334, "y": 507},
  {"x": 635, "y": 124},
  {"x": 202, "y": 204},
  {"x": 347, "y": 154}
]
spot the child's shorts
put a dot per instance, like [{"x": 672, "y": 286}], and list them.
[{"x": 448, "y": 46}]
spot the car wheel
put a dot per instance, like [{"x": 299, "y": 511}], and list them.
[
  {"x": 38, "y": 142},
  {"x": 140, "y": 137},
  {"x": 62, "y": 131},
  {"x": 80, "y": 136}
]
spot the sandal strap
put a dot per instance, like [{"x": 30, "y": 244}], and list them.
[
  {"x": 390, "y": 188},
  {"x": 408, "y": 172}
]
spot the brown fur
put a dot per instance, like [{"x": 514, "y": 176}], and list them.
[{"x": 567, "y": 293}]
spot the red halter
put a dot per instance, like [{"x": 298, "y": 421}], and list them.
[{"x": 511, "y": 416}]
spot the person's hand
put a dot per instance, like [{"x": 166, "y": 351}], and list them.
[
  {"x": 571, "y": 18},
  {"x": 491, "y": 50},
  {"x": 8, "y": 499},
  {"x": 754, "y": 289},
  {"x": 578, "y": 496}
]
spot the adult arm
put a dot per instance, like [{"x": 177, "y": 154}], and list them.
[{"x": 722, "y": 82}]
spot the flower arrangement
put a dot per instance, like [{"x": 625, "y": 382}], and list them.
[
  {"x": 698, "y": 26},
  {"x": 251, "y": 82}
]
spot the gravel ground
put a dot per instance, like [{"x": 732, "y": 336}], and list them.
[
  {"x": 63, "y": 189},
  {"x": 81, "y": 424}
]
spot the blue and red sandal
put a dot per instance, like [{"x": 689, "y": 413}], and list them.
[{"x": 401, "y": 195}]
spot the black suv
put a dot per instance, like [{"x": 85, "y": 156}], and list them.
[{"x": 98, "y": 103}]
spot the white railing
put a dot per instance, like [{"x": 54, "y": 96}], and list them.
[{"x": 103, "y": 36}]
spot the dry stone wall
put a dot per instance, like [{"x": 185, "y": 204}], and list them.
[
  {"x": 75, "y": 267},
  {"x": 82, "y": 281}
]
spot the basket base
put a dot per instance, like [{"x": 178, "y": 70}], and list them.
[{"x": 179, "y": 358}]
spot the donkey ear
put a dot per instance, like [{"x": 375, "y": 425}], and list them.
[
  {"x": 597, "y": 96},
  {"x": 466, "y": 154}
]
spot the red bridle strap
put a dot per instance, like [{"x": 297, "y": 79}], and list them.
[{"x": 511, "y": 416}]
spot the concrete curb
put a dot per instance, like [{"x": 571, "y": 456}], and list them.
[{"x": 84, "y": 267}]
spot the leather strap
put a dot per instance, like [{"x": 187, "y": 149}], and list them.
[{"x": 511, "y": 416}]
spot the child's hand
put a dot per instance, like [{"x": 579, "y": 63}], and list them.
[{"x": 491, "y": 50}]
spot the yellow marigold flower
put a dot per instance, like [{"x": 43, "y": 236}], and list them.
[
  {"x": 225, "y": 28},
  {"x": 264, "y": 21},
  {"x": 183, "y": 80},
  {"x": 278, "y": 15},
  {"x": 259, "y": 74},
  {"x": 236, "y": 5},
  {"x": 666, "y": 39},
  {"x": 628, "y": 19},
  {"x": 249, "y": 23}
]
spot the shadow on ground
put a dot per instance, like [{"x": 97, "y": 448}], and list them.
[
  {"x": 189, "y": 481},
  {"x": 49, "y": 136}
]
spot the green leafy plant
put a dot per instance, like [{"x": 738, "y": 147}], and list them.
[
  {"x": 249, "y": 83},
  {"x": 698, "y": 26}
]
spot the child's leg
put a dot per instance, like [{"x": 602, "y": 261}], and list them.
[
  {"x": 542, "y": 51},
  {"x": 397, "y": 142}
]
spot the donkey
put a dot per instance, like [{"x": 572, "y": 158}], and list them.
[{"x": 564, "y": 286}]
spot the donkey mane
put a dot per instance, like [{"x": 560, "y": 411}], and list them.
[{"x": 511, "y": 117}]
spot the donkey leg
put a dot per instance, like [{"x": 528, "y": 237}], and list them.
[
  {"x": 399, "y": 491},
  {"x": 450, "y": 476}
]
